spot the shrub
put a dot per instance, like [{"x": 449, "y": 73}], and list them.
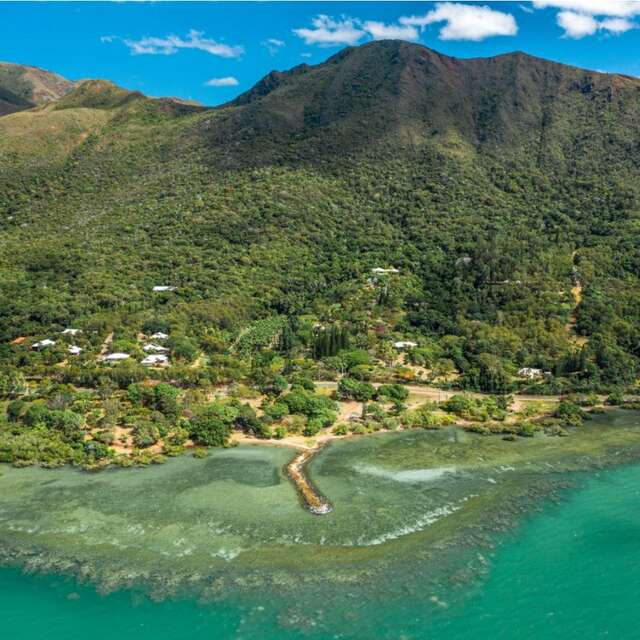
[
  {"x": 527, "y": 430},
  {"x": 105, "y": 437},
  {"x": 570, "y": 414},
  {"x": 303, "y": 381},
  {"x": 277, "y": 410},
  {"x": 145, "y": 434},
  {"x": 97, "y": 450},
  {"x": 312, "y": 427},
  {"x": 178, "y": 436},
  {"x": 616, "y": 398},
  {"x": 395, "y": 392}
]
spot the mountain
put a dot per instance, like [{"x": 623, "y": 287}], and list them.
[
  {"x": 493, "y": 185},
  {"x": 415, "y": 95},
  {"x": 24, "y": 87}
]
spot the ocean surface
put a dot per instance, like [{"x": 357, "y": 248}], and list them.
[{"x": 434, "y": 535}]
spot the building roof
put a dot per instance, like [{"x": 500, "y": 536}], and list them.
[
  {"x": 74, "y": 350},
  {"x": 381, "y": 270},
  {"x": 154, "y": 348},
  {"x": 70, "y": 332},
  {"x": 158, "y": 335},
  {"x": 112, "y": 357},
  {"x": 157, "y": 358},
  {"x": 530, "y": 372},
  {"x": 18, "y": 340},
  {"x": 405, "y": 344},
  {"x": 47, "y": 342},
  {"x": 163, "y": 287}
]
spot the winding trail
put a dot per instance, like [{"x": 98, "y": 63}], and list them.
[
  {"x": 104, "y": 349},
  {"x": 315, "y": 502},
  {"x": 576, "y": 293}
]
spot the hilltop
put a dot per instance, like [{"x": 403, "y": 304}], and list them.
[{"x": 23, "y": 87}]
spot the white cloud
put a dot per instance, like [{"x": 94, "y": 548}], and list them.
[
  {"x": 578, "y": 18},
  {"x": 615, "y": 8},
  {"x": 170, "y": 45},
  {"x": 617, "y": 25},
  {"x": 273, "y": 45},
  {"x": 107, "y": 39},
  {"x": 306, "y": 54},
  {"x": 382, "y": 31},
  {"x": 228, "y": 81},
  {"x": 577, "y": 25},
  {"x": 327, "y": 32},
  {"x": 465, "y": 21}
]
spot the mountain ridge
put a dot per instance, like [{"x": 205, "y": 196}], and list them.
[{"x": 268, "y": 79}]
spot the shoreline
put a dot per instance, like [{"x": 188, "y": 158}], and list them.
[
  {"x": 424, "y": 393},
  {"x": 493, "y": 506},
  {"x": 463, "y": 531}
]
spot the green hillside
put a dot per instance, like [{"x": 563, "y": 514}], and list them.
[{"x": 492, "y": 185}]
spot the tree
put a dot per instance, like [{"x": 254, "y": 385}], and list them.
[
  {"x": 211, "y": 426},
  {"x": 183, "y": 348},
  {"x": 15, "y": 410},
  {"x": 165, "y": 399},
  {"x": 350, "y": 389},
  {"x": 247, "y": 419}
]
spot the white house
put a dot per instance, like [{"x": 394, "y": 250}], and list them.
[
  {"x": 158, "y": 335},
  {"x": 155, "y": 360},
  {"x": 163, "y": 287},
  {"x": 116, "y": 357},
  {"x": 71, "y": 332},
  {"x": 42, "y": 344},
  {"x": 154, "y": 348},
  {"x": 405, "y": 344},
  {"x": 381, "y": 271},
  {"x": 530, "y": 372},
  {"x": 74, "y": 350}
]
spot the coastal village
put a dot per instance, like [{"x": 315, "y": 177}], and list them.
[{"x": 152, "y": 394}]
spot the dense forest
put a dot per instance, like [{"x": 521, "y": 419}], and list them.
[{"x": 484, "y": 210}]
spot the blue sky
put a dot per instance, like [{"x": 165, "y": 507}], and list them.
[{"x": 211, "y": 52}]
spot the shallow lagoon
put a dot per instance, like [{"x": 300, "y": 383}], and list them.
[{"x": 409, "y": 541}]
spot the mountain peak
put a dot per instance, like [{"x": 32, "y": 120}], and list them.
[{"x": 391, "y": 90}]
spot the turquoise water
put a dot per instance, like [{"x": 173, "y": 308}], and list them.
[
  {"x": 571, "y": 572},
  {"x": 409, "y": 552}
]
